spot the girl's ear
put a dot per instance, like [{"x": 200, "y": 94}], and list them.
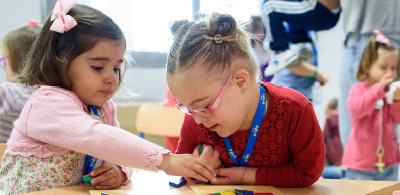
[{"x": 242, "y": 79}]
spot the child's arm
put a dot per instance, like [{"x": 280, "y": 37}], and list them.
[
  {"x": 236, "y": 175},
  {"x": 362, "y": 102},
  {"x": 127, "y": 171},
  {"x": 60, "y": 121},
  {"x": 187, "y": 165}
]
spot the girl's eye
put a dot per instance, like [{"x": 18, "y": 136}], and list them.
[
  {"x": 117, "y": 70},
  {"x": 207, "y": 106},
  {"x": 97, "y": 68}
]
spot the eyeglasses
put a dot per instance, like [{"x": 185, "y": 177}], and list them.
[
  {"x": 3, "y": 62},
  {"x": 204, "y": 112}
]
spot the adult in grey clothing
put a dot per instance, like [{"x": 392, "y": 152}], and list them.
[{"x": 360, "y": 17}]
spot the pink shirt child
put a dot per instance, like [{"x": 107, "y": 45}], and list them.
[{"x": 360, "y": 153}]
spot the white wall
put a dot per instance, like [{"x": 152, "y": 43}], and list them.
[
  {"x": 148, "y": 83},
  {"x": 329, "y": 51},
  {"x": 15, "y": 14}
]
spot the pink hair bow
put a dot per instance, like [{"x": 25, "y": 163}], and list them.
[
  {"x": 380, "y": 37},
  {"x": 62, "y": 21},
  {"x": 33, "y": 22}
]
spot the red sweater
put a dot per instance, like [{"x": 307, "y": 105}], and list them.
[{"x": 289, "y": 149}]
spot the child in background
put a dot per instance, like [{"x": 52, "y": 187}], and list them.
[
  {"x": 212, "y": 73},
  {"x": 76, "y": 64},
  {"x": 13, "y": 95},
  {"x": 333, "y": 146},
  {"x": 256, "y": 29},
  {"x": 372, "y": 152},
  {"x": 293, "y": 44},
  {"x": 300, "y": 78}
]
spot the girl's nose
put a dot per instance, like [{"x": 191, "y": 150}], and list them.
[
  {"x": 112, "y": 77},
  {"x": 199, "y": 119}
]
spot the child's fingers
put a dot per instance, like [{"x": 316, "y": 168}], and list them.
[
  {"x": 190, "y": 180},
  {"x": 387, "y": 78},
  {"x": 205, "y": 164},
  {"x": 102, "y": 177},
  {"x": 198, "y": 176},
  {"x": 196, "y": 151},
  {"x": 205, "y": 169},
  {"x": 207, "y": 150},
  {"x": 99, "y": 170},
  {"x": 109, "y": 182}
]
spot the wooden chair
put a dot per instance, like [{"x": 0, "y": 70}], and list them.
[
  {"x": 3, "y": 147},
  {"x": 157, "y": 120}
]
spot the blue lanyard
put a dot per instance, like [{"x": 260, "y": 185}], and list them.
[
  {"x": 253, "y": 133},
  {"x": 90, "y": 160}
]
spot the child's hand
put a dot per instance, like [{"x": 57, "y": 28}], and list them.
[
  {"x": 322, "y": 78},
  {"x": 107, "y": 176},
  {"x": 396, "y": 94},
  {"x": 385, "y": 80},
  {"x": 187, "y": 165},
  {"x": 235, "y": 175},
  {"x": 210, "y": 154}
]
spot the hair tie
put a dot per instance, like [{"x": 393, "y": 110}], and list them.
[
  {"x": 62, "y": 21},
  {"x": 380, "y": 37},
  {"x": 218, "y": 38},
  {"x": 33, "y": 22}
]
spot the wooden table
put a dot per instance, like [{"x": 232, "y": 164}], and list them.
[{"x": 145, "y": 182}]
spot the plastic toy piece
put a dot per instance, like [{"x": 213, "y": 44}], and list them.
[
  {"x": 201, "y": 148},
  {"x": 243, "y": 192},
  {"x": 87, "y": 179},
  {"x": 228, "y": 193},
  {"x": 178, "y": 184}
]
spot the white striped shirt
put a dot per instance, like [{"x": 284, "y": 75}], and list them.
[{"x": 13, "y": 97}]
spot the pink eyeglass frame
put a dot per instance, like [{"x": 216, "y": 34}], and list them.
[{"x": 204, "y": 112}]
